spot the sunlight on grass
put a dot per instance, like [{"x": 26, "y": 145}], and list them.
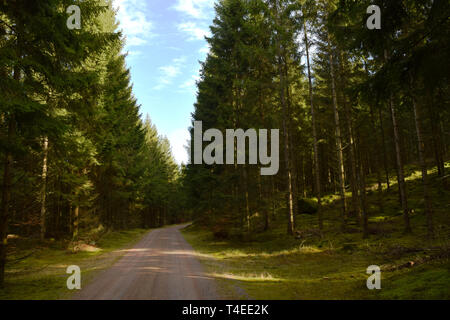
[
  {"x": 247, "y": 277},
  {"x": 332, "y": 265},
  {"x": 380, "y": 218},
  {"x": 415, "y": 175},
  {"x": 299, "y": 250},
  {"x": 229, "y": 254}
]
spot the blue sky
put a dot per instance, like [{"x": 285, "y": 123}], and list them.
[{"x": 165, "y": 41}]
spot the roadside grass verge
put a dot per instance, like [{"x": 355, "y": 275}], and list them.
[
  {"x": 266, "y": 272},
  {"x": 273, "y": 265},
  {"x": 37, "y": 271}
]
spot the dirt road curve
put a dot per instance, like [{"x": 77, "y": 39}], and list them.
[{"x": 162, "y": 266}]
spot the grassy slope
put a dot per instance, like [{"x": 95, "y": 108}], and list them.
[
  {"x": 42, "y": 275},
  {"x": 272, "y": 265}
]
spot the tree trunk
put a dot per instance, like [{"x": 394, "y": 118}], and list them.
[
  {"x": 6, "y": 198},
  {"x": 283, "y": 85},
  {"x": 361, "y": 179},
  {"x": 247, "y": 205},
  {"x": 6, "y": 189},
  {"x": 377, "y": 154},
  {"x": 339, "y": 152},
  {"x": 292, "y": 162},
  {"x": 314, "y": 132},
  {"x": 44, "y": 188},
  {"x": 263, "y": 204},
  {"x": 423, "y": 165},
  {"x": 377, "y": 163},
  {"x": 401, "y": 177},
  {"x": 76, "y": 214},
  {"x": 434, "y": 120},
  {"x": 383, "y": 141},
  {"x": 348, "y": 116},
  {"x": 274, "y": 202},
  {"x": 364, "y": 207},
  {"x": 290, "y": 200}
]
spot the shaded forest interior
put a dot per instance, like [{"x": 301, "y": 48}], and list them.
[
  {"x": 363, "y": 116},
  {"x": 77, "y": 156},
  {"x": 363, "y": 177},
  {"x": 356, "y": 107}
]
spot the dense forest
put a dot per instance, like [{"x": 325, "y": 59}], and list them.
[
  {"x": 357, "y": 108},
  {"x": 352, "y": 103},
  {"x": 75, "y": 151}
]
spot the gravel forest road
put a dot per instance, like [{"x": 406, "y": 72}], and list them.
[{"x": 162, "y": 266}]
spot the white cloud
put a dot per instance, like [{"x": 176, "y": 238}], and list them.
[
  {"x": 135, "y": 41},
  {"x": 199, "y": 13},
  {"x": 194, "y": 30},
  {"x": 169, "y": 72},
  {"x": 198, "y": 9},
  {"x": 179, "y": 60},
  {"x": 178, "y": 140},
  {"x": 133, "y": 21},
  {"x": 190, "y": 83},
  {"x": 174, "y": 48},
  {"x": 134, "y": 53},
  {"x": 205, "y": 50}
]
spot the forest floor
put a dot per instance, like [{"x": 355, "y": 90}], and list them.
[
  {"x": 273, "y": 265},
  {"x": 37, "y": 270}
]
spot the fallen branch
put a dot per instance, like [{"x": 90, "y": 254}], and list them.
[
  {"x": 22, "y": 258},
  {"x": 419, "y": 261}
]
